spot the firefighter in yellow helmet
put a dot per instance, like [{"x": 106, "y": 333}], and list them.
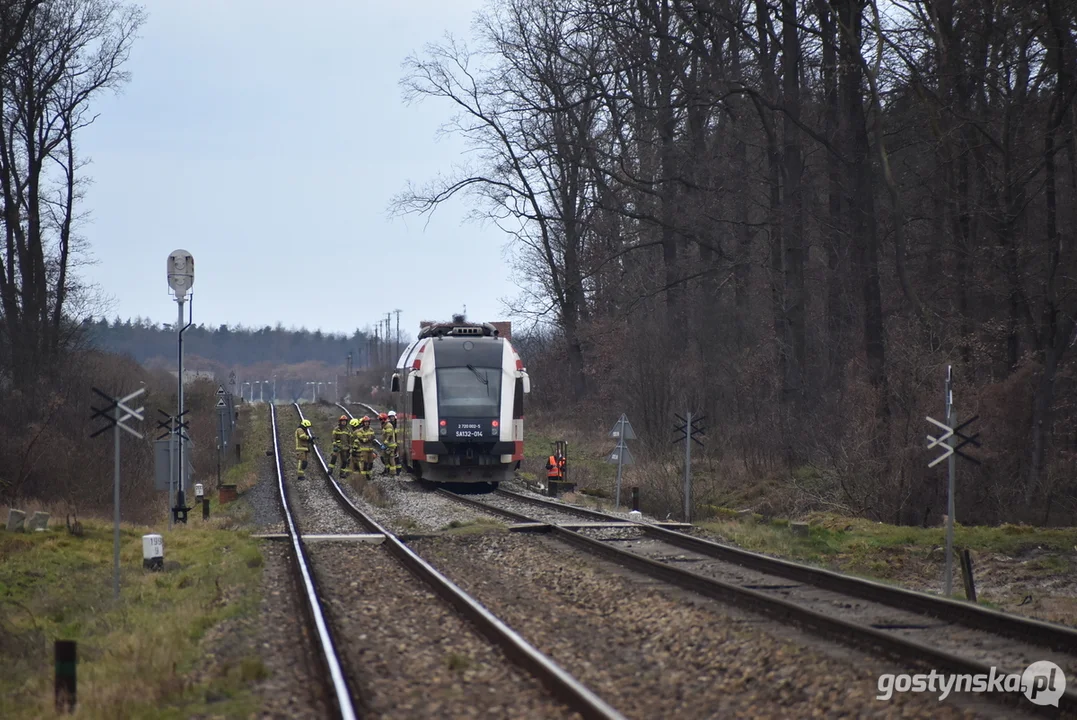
[
  {"x": 384, "y": 419},
  {"x": 396, "y": 439},
  {"x": 342, "y": 443},
  {"x": 354, "y": 454},
  {"x": 364, "y": 438},
  {"x": 389, "y": 439},
  {"x": 304, "y": 441}
]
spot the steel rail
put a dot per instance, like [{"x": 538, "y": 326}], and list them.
[
  {"x": 380, "y": 444},
  {"x": 493, "y": 509},
  {"x": 361, "y": 404},
  {"x": 340, "y": 690},
  {"x": 561, "y": 684},
  {"x": 785, "y": 611},
  {"x": 1037, "y": 632}
]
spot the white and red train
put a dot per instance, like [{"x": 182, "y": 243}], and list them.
[{"x": 460, "y": 391}]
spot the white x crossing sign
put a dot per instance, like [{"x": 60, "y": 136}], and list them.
[{"x": 935, "y": 442}]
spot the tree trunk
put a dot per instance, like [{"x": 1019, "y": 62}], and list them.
[
  {"x": 792, "y": 210},
  {"x": 837, "y": 307}
]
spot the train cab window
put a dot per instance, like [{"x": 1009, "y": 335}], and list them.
[
  {"x": 518, "y": 400},
  {"x": 469, "y": 391},
  {"x": 417, "y": 407}
]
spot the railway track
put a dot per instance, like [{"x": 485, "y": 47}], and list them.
[
  {"x": 337, "y": 686},
  {"x": 916, "y": 628},
  {"x": 560, "y": 685}
]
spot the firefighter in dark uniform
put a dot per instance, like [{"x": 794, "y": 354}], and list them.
[
  {"x": 304, "y": 441},
  {"x": 364, "y": 439},
  {"x": 342, "y": 443},
  {"x": 388, "y": 438}
]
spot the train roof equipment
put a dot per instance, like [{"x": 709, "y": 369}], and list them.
[{"x": 458, "y": 327}]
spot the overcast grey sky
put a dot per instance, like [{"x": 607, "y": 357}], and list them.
[{"x": 267, "y": 137}]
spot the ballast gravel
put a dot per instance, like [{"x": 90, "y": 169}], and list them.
[
  {"x": 397, "y": 502},
  {"x": 291, "y": 688},
  {"x": 316, "y": 508},
  {"x": 262, "y": 498},
  {"x": 651, "y": 653},
  {"x": 409, "y": 655},
  {"x": 535, "y": 512}
]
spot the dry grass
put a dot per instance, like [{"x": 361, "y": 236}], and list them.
[
  {"x": 478, "y": 526},
  {"x": 135, "y": 654}
]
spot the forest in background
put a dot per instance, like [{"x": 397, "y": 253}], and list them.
[
  {"x": 792, "y": 216},
  {"x": 155, "y": 343}
]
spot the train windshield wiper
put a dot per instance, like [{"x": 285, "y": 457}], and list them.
[{"x": 482, "y": 378}]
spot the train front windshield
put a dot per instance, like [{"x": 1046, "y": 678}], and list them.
[{"x": 469, "y": 392}]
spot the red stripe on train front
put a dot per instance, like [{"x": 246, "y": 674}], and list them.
[
  {"x": 518, "y": 450},
  {"x": 417, "y": 450}
]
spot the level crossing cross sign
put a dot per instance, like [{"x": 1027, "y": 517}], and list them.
[{"x": 945, "y": 440}]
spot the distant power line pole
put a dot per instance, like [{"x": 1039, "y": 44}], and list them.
[
  {"x": 397, "y": 345},
  {"x": 388, "y": 332}
]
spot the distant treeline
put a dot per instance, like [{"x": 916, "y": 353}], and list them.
[{"x": 231, "y": 345}]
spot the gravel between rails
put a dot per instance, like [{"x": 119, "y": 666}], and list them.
[
  {"x": 537, "y": 512},
  {"x": 990, "y": 649},
  {"x": 316, "y": 508},
  {"x": 652, "y": 653},
  {"x": 416, "y": 657},
  {"x": 402, "y": 505}
]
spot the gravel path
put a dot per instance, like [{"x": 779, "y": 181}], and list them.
[
  {"x": 651, "y": 653},
  {"x": 416, "y": 658},
  {"x": 290, "y": 689},
  {"x": 262, "y": 498}
]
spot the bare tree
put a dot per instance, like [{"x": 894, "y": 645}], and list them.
[{"x": 71, "y": 51}]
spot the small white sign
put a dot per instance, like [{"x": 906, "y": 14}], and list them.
[{"x": 153, "y": 546}]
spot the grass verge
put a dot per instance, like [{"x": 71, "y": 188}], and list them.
[{"x": 140, "y": 656}]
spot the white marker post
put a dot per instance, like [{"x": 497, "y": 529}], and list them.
[{"x": 153, "y": 552}]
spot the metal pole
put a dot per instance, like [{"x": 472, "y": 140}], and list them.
[
  {"x": 951, "y": 420},
  {"x": 171, "y": 468},
  {"x": 220, "y": 442},
  {"x": 620, "y": 459},
  {"x": 179, "y": 413},
  {"x": 688, "y": 470},
  {"x": 116, "y": 510}
]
